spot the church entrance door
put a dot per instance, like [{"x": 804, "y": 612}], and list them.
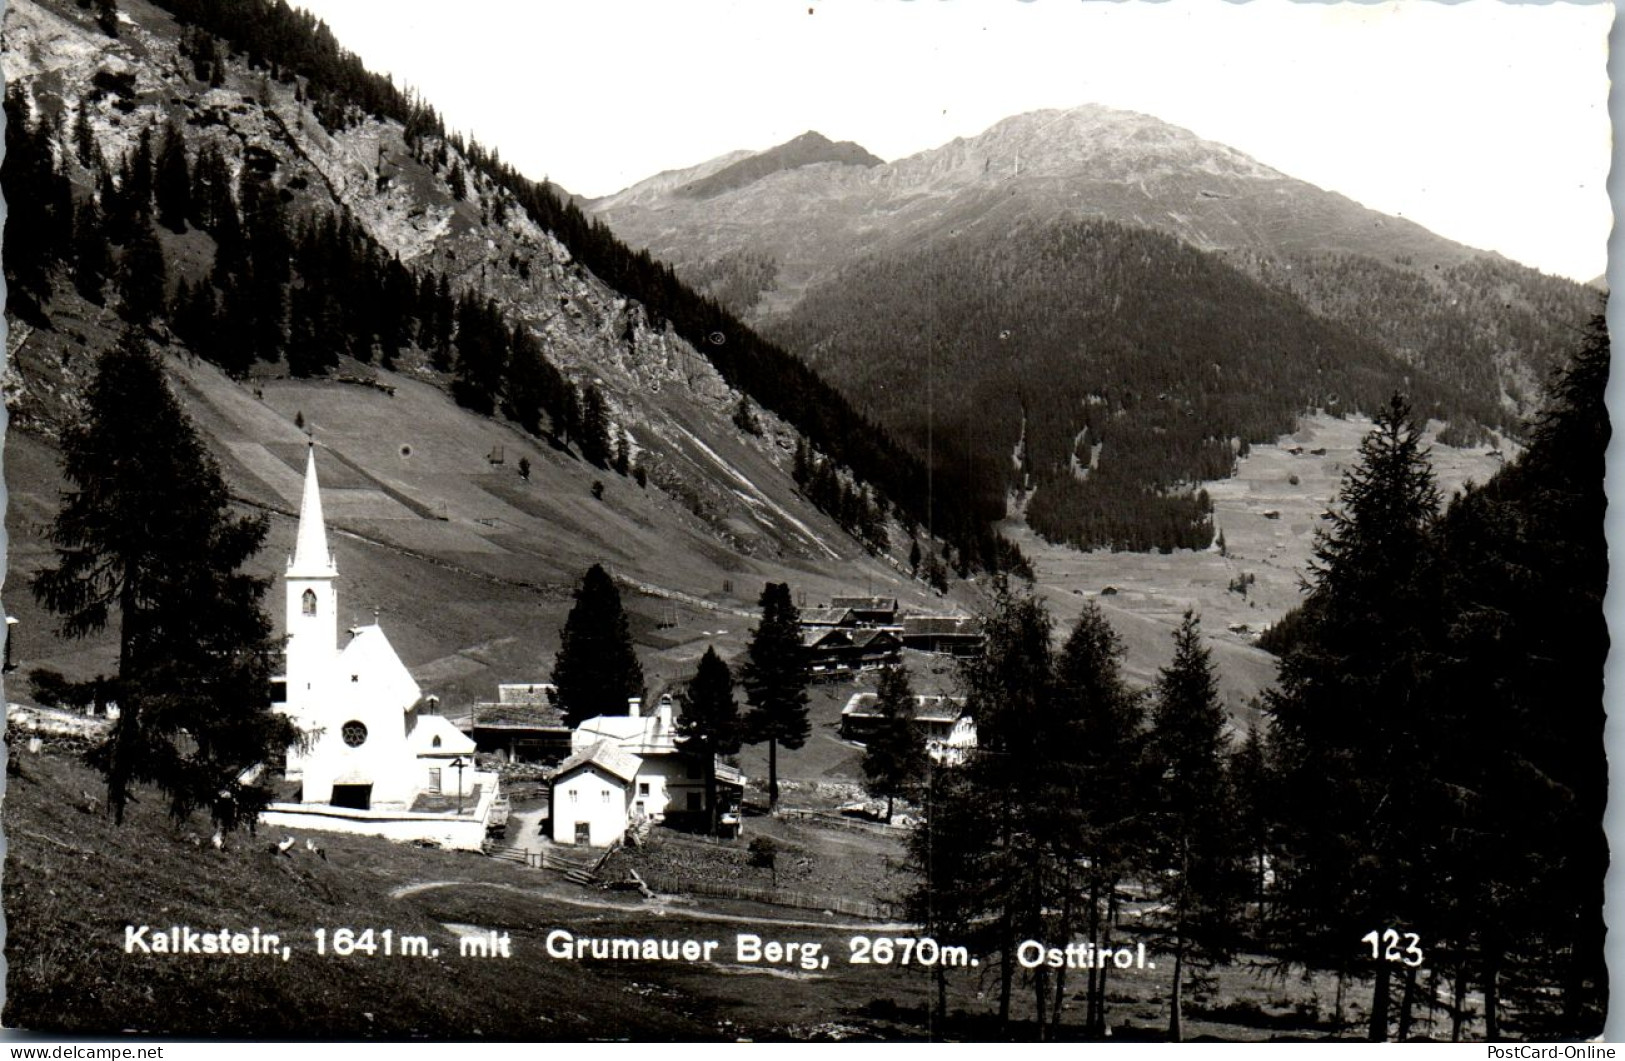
[{"x": 354, "y": 797}]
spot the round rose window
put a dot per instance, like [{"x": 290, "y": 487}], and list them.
[{"x": 355, "y": 734}]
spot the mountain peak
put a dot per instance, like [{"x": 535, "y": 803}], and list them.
[{"x": 808, "y": 149}]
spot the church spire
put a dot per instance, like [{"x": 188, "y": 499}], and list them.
[{"x": 310, "y": 556}]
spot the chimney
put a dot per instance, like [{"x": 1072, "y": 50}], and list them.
[{"x": 634, "y": 706}]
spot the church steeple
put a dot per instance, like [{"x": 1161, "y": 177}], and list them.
[
  {"x": 312, "y": 615},
  {"x": 310, "y": 556}
]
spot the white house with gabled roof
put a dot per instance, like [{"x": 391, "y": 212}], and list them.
[{"x": 665, "y": 783}]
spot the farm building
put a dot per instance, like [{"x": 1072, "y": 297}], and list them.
[
  {"x": 952, "y": 635},
  {"x": 949, "y": 733},
  {"x": 664, "y": 784},
  {"x": 868, "y": 611},
  {"x": 376, "y": 758},
  {"x": 523, "y": 725},
  {"x": 837, "y": 653}
]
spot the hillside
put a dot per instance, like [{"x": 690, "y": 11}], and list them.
[
  {"x": 1209, "y": 301},
  {"x": 408, "y": 266},
  {"x": 263, "y": 200}
]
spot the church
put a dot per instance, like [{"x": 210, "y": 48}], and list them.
[{"x": 374, "y": 757}]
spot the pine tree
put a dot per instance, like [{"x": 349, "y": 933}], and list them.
[
  {"x": 895, "y": 760},
  {"x": 710, "y": 724},
  {"x": 172, "y": 182},
  {"x": 1194, "y": 843},
  {"x": 776, "y": 676},
  {"x": 146, "y": 541},
  {"x": 596, "y": 670},
  {"x": 141, "y": 278},
  {"x": 593, "y": 436},
  {"x": 92, "y": 265}
]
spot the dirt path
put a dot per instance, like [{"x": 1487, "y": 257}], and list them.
[{"x": 659, "y": 907}]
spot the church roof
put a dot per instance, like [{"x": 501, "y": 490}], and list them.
[
  {"x": 369, "y": 660},
  {"x": 310, "y": 556},
  {"x": 606, "y": 757},
  {"x": 426, "y": 728}
]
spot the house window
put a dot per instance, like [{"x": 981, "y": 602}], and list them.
[
  {"x": 437, "y": 742},
  {"x": 355, "y": 734},
  {"x": 572, "y": 795},
  {"x": 307, "y": 602},
  {"x": 434, "y": 780},
  {"x": 643, "y": 788},
  {"x": 605, "y": 794},
  {"x": 694, "y": 801}
]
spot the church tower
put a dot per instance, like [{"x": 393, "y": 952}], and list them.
[{"x": 313, "y": 628}]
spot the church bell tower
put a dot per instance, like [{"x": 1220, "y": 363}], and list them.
[{"x": 313, "y": 629}]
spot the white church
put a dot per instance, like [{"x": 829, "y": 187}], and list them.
[{"x": 375, "y": 757}]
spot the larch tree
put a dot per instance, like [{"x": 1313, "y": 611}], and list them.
[
  {"x": 894, "y": 762},
  {"x": 776, "y": 676},
  {"x": 146, "y": 541},
  {"x": 1022, "y": 772},
  {"x": 1106, "y": 740},
  {"x": 1194, "y": 843},
  {"x": 710, "y": 724},
  {"x": 596, "y": 670}
]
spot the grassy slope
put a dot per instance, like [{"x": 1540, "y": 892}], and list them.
[
  {"x": 74, "y": 881},
  {"x": 466, "y": 603}
]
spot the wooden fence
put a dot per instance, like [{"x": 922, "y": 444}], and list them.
[
  {"x": 772, "y": 896},
  {"x": 837, "y": 821}
]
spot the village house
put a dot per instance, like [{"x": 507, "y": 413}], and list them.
[
  {"x": 524, "y": 725},
  {"x": 835, "y": 653},
  {"x": 375, "y": 756},
  {"x": 948, "y": 731},
  {"x": 632, "y": 762},
  {"x": 952, "y": 635}
]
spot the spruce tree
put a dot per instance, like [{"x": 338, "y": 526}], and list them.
[
  {"x": 596, "y": 670},
  {"x": 1526, "y": 565},
  {"x": 895, "y": 760},
  {"x": 710, "y": 725},
  {"x": 776, "y": 676},
  {"x": 1356, "y": 715},
  {"x": 146, "y": 541}
]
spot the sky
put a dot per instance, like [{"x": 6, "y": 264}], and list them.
[{"x": 1484, "y": 121}]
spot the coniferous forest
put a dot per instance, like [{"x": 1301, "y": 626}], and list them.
[
  {"x": 1160, "y": 364},
  {"x": 289, "y": 281},
  {"x": 1421, "y": 812},
  {"x": 1411, "y": 814}
]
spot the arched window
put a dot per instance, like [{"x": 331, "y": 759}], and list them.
[
  {"x": 437, "y": 742},
  {"x": 308, "y": 602}
]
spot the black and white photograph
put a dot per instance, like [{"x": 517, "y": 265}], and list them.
[{"x": 805, "y": 521}]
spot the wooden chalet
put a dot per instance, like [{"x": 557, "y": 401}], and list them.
[
  {"x": 839, "y": 652},
  {"x": 952, "y": 635},
  {"x": 523, "y": 725},
  {"x": 948, "y": 732}
]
